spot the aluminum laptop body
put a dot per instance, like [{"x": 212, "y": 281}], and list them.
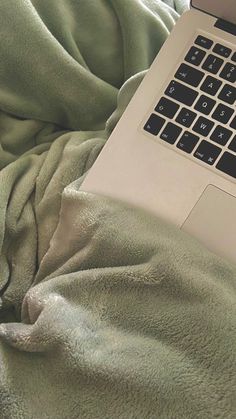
[{"x": 173, "y": 152}]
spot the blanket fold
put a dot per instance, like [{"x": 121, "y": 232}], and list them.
[{"x": 129, "y": 318}]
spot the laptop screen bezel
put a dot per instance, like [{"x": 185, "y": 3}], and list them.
[{"x": 230, "y": 16}]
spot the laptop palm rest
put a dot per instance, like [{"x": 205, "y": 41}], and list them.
[{"x": 213, "y": 222}]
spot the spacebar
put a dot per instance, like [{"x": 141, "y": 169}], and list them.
[{"x": 227, "y": 164}]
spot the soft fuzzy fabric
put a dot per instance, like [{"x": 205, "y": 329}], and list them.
[{"x": 105, "y": 311}]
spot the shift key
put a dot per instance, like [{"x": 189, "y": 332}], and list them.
[{"x": 181, "y": 93}]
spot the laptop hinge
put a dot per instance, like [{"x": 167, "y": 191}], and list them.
[{"x": 226, "y": 26}]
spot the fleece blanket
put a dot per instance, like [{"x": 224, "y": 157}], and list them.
[{"x": 105, "y": 311}]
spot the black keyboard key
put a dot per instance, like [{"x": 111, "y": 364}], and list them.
[
  {"x": 186, "y": 117},
  {"x": 181, "y": 93},
  {"x": 233, "y": 123},
  {"x": 189, "y": 75},
  {"x": 170, "y": 133},
  {"x": 232, "y": 145},
  {"x": 203, "y": 126},
  {"x": 207, "y": 152},
  {"x": 205, "y": 104},
  {"x": 212, "y": 64},
  {"x": 195, "y": 56},
  {"x": 188, "y": 142},
  {"x": 221, "y": 135},
  {"x": 222, "y": 113},
  {"x": 227, "y": 164},
  {"x": 222, "y": 50},
  {"x": 154, "y": 124},
  {"x": 229, "y": 72},
  {"x": 204, "y": 42},
  {"x": 233, "y": 58},
  {"x": 228, "y": 94},
  {"x": 166, "y": 107},
  {"x": 211, "y": 85}
]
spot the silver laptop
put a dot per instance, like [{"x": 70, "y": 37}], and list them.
[{"x": 173, "y": 152}]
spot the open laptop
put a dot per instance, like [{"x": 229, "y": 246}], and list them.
[{"x": 173, "y": 152}]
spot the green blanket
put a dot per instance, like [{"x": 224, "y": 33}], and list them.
[{"x": 106, "y": 312}]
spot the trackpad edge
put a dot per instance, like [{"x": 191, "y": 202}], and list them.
[{"x": 213, "y": 222}]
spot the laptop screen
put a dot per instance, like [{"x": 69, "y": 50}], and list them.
[{"x": 225, "y": 9}]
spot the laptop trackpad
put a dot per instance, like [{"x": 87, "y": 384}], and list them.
[{"x": 213, "y": 222}]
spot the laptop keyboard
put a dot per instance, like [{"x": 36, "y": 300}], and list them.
[{"x": 196, "y": 113}]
